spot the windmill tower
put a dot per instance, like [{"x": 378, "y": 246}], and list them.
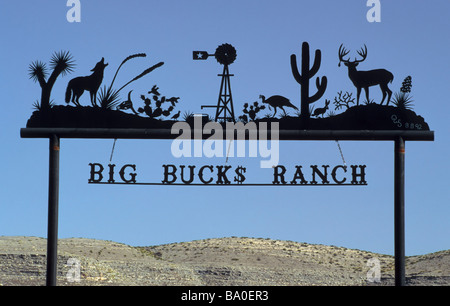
[{"x": 225, "y": 54}]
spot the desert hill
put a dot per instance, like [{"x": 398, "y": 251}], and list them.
[{"x": 223, "y": 261}]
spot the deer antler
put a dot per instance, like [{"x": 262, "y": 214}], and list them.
[
  {"x": 362, "y": 53},
  {"x": 343, "y": 52}
]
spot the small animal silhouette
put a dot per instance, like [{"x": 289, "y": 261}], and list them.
[
  {"x": 278, "y": 101},
  {"x": 321, "y": 110},
  {"x": 173, "y": 100},
  {"x": 176, "y": 116},
  {"x": 154, "y": 90},
  {"x": 91, "y": 83}
]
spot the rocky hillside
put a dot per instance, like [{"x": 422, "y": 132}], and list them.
[{"x": 224, "y": 261}]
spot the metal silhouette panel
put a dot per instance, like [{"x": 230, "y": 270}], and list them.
[{"x": 112, "y": 107}]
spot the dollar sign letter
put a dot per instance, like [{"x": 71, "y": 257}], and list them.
[{"x": 240, "y": 178}]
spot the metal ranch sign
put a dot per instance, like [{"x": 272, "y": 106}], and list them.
[
  {"x": 224, "y": 175},
  {"x": 157, "y": 110},
  {"x": 94, "y": 110}
]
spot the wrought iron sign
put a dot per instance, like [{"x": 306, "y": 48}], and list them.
[
  {"x": 120, "y": 112},
  {"x": 155, "y": 109},
  {"x": 226, "y": 175}
]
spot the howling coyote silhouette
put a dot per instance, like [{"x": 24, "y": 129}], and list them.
[{"x": 91, "y": 83}]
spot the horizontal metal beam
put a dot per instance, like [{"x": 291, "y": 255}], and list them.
[
  {"x": 230, "y": 185},
  {"x": 89, "y": 133}
]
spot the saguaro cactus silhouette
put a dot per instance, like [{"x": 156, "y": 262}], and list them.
[{"x": 304, "y": 78}]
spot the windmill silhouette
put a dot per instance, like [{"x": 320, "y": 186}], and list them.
[{"x": 225, "y": 55}]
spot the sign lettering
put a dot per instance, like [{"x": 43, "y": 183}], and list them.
[{"x": 224, "y": 175}]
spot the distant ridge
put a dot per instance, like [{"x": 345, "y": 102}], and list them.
[{"x": 212, "y": 262}]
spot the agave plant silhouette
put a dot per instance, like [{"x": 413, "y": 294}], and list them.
[
  {"x": 109, "y": 97},
  {"x": 61, "y": 63},
  {"x": 403, "y": 100}
]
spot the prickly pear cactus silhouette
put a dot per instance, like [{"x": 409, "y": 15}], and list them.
[
  {"x": 251, "y": 112},
  {"x": 305, "y": 76}
]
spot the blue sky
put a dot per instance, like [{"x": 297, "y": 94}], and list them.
[{"x": 411, "y": 39}]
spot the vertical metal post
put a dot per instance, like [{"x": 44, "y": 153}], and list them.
[
  {"x": 53, "y": 199},
  {"x": 399, "y": 211}
]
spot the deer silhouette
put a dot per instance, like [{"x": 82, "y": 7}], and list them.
[{"x": 365, "y": 79}]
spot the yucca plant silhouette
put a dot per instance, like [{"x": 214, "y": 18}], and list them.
[
  {"x": 403, "y": 99},
  {"x": 109, "y": 97},
  {"x": 61, "y": 63}
]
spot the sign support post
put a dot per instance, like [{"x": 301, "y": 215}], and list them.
[
  {"x": 53, "y": 201},
  {"x": 399, "y": 138},
  {"x": 399, "y": 211}
]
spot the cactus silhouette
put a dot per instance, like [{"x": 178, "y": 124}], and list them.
[{"x": 304, "y": 78}]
